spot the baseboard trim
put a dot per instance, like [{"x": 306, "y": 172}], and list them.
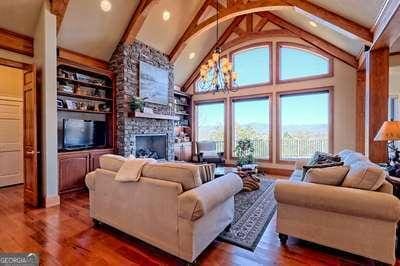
[
  {"x": 51, "y": 201},
  {"x": 276, "y": 171}
]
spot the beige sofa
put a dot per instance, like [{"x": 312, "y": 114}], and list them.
[
  {"x": 358, "y": 221},
  {"x": 168, "y": 207}
]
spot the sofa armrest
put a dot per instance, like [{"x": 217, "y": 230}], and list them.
[
  {"x": 195, "y": 203},
  {"x": 349, "y": 201},
  {"x": 89, "y": 180}
]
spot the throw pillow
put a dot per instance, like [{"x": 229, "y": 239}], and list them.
[
  {"x": 207, "y": 172},
  {"x": 325, "y": 165},
  {"x": 364, "y": 175},
  {"x": 321, "y": 160},
  {"x": 323, "y": 157},
  {"x": 332, "y": 176}
]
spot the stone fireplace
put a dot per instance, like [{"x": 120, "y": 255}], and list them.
[
  {"x": 125, "y": 64},
  {"x": 151, "y": 146}
]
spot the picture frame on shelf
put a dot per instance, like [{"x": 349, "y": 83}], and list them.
[{"x": 71, "y": 105}]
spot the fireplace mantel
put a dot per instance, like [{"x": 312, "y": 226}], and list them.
[{"x": 152, "y": 116}]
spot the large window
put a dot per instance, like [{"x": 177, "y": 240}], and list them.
[
  {"x": 304, "y": 124},
  {"x": 210, "y": 123},
  {"x": 296, "y": 63},
  {"x": 251, "y": 120},
  {"x": 252, "y": 66}
]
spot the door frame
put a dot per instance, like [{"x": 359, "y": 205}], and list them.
[{"x": 25, "y": 67}]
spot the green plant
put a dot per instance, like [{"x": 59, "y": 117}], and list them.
[
  {"x": 137, "y": 103},
  {"x": 244, "y": 151}
]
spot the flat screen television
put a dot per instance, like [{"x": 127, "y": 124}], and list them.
[{"x": 81, "y": 134}]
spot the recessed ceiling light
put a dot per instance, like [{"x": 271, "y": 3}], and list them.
[
  {"x": 166, "y": 15},
  {"x": 312, "y": 23},
  {"x": 192, "y": 55},
  {"x": 105, "y": 5}
]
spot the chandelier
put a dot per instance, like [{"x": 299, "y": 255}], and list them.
[{"x": 216, "y": 74}]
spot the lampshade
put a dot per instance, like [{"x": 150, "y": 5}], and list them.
[{"x": 390, "y": 130}]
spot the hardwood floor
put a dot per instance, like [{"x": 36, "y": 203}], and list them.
[{"x": 65, "y": 235}]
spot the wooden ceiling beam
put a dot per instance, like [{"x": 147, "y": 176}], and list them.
[
  {"x": 249, "y": 22},
  {"x": 16, "y": 42},
  {"x": 260, "y": 24},
  {"x": 137, "y": 20},
  {"x": 314, "y": 40},
  {"x": 222, "y": 39},
  {"x": 58, "y": 8},
  {"x": 181, "y": 44},
  {"x": 336, "y": 21},
  {"x": 241, "y": 7},
  {"x": 250, "y": 36}
]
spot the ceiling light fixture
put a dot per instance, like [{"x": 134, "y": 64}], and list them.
[
  {"x": 192, "y": 55},
  {"x": 217, "y": 73},
  {"x": 312, "y": 23},
  {"x": 105, "y": 5},
  {"x": 166, "y": 15}
]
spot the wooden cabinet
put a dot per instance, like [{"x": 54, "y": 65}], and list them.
[
  {"x": 73, "y": 167},
  {"x": 94, "y": 158},
  {"x": 183, "y": 151}
]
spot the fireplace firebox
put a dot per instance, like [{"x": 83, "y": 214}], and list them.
[{"x": 151, "y": 146}]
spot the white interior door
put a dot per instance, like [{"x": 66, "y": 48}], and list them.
[
  {"x": 11, "y": 142},
  {"x": 11, "y": 126}
]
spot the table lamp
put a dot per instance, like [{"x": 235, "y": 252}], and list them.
[{"x": 390, "y": 132}]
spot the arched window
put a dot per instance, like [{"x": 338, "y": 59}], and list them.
[
  {"x": 252, "y": 65},
  {"x": 298, "y": 62}
]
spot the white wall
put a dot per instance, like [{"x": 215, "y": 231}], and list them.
[{"x": 45, "y": 58}]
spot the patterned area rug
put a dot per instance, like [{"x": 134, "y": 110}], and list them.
[{"x": 253, "y": 212}]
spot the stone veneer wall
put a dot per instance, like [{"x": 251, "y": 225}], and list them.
[{"x": 125, "y": 64}]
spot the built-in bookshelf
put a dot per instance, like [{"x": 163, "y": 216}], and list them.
[{"x": 183, "y": 114}]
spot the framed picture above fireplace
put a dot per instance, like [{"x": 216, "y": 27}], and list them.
[{"x": 153, "y": 83}]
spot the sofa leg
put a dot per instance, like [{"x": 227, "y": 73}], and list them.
[
  {"x": 283, "y": 238},
  {"x": 228, "y": 228}
]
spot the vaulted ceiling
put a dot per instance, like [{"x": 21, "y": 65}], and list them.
[{"x": 87, "y": 29}]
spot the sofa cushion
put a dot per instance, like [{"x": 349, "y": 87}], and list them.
[
  {"x": 364, "y": 175},
  {"x": 186, "y": 174},
  {"x": 327, "y": 176},
  {"x": 111, "y": 162}
]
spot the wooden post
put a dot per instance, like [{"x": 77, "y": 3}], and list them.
[
  {"x": 360, "y": 111},
  {"x": 376, "y": 107}
]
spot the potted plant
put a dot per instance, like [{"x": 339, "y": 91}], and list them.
[
  {"x": 244, "y": 151},
  {"x": 137, "y": 104}
]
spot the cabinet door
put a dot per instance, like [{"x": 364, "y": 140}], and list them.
[
  {"x": 73, "y": 168},
  {"x": 94, "y": 158},
  {"x": 178, "y": 152},
  {"x": 187, "y": 152}
]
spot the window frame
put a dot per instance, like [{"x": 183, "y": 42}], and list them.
[
  {"x": 330, "y": 90},
  {"x": 268, "y": 96},
  {"x": 256, "y": 45},
  {"x": 305, "y": 48},
  {"x": 195, "y": 122}
]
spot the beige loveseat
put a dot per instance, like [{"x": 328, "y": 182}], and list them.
[
  {"x": 168, "y": 207},
  {"x": 358, "y": 221}
]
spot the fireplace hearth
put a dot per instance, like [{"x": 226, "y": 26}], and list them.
[{"x": 151, "y": 146}]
